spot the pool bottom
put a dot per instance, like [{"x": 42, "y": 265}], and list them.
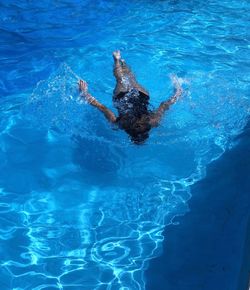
[{"x": 208, "y": 249}]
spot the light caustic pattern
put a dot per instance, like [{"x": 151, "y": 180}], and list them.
[
  {"x": 92, "y": 213},
  {"x": 80, "y": 206}
]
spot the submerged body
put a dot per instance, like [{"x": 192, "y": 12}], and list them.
[
  {"x": 134, "y": 115},
  {"x": 132, "y": 103}
]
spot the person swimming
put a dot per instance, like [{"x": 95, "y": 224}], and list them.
[{"x": 132, "y": 102}]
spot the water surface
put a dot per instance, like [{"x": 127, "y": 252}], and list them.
[{"x": 82, "y": 207}]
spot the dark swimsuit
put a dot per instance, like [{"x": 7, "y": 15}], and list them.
[
  {"x": 132, "y": 107},
  {"x": 133, "y": 103}
]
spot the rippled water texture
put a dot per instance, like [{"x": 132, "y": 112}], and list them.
[{"x": 80, "y": 206}]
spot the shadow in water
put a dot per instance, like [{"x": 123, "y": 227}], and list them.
[{"x": 95, "y": 158}]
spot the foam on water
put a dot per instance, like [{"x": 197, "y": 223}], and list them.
[{"x": 80, "y": 206}]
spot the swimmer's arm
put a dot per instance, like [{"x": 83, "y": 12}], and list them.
[
  {"x": 107, "y": 113},
  {"x": 164, "y": 106},
  {"x": 92, "y": 101}
]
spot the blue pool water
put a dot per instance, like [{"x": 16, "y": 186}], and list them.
[{"x": 80, "y": 206}]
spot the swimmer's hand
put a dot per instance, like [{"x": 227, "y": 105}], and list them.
[
  {"x": 117, "y": 55},
  {"x": 165, "y": 105},
  {"x": 178, "y": 89},
  {"x": 83, "y": 86}
]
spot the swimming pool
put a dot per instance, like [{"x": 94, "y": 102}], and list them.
[{"x": 81, "y": 207}]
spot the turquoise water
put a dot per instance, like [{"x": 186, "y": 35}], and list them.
[{"x": 80, "y": 206}]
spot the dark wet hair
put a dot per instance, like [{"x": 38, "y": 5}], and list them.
[
  {"x": 136, "y": 127},
  {"x": 140, "y": 138}
]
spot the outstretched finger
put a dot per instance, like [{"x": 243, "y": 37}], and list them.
[{"x": 83, "y": 86}]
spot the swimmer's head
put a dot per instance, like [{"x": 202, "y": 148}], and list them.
[
  {"x": 137, "y": 128},
  {"x": 140, "y": 138}
]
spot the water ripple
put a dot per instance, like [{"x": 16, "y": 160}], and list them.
[{"x": 80, "y": 207}]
